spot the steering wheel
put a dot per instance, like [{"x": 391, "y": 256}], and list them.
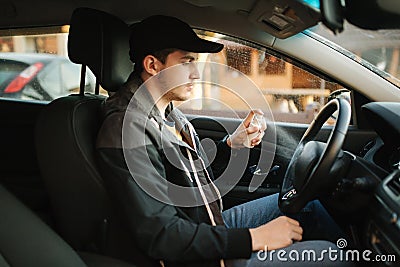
[{"x": 308, "y": 173}]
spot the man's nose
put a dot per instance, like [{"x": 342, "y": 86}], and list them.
[{"x": 194, "y": 71}]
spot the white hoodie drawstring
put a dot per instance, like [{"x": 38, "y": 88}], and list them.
[
  {"x": 191, "y": 131},
  {"x": 203, "y": 195}
]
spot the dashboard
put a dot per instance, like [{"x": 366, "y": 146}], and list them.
[
  {"x": 383, "y": 223},
  {"x": 384, "y": 118}
]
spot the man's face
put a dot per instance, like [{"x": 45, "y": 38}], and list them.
[{"x": 178, "y": 74}]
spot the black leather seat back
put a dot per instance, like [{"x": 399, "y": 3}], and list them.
[
  {"x": 67, "y": 129},
  {"x": 65, "y": 132},
  {"x": 27, "y": 241}
]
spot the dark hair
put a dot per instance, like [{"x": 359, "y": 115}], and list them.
[{"x": 161, "y": 55}]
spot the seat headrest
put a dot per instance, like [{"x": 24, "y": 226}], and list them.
[{"x": 100, "y": 41}]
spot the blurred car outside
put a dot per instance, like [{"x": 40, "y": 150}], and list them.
[{"x": 32, "y": 76}]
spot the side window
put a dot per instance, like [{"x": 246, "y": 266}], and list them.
[
  {"x": 292, "y": 93},
  {"x": 35, "y": 66},
  {"x": 50, "y": 81},
  {"x": 71, "y": 78}
]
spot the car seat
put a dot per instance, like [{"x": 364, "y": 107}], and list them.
[
  {"x": 66, "y": 132},
  {"x": 25, "y": 240}
]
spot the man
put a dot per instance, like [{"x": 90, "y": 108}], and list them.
[{"x": 159, "y": 174}]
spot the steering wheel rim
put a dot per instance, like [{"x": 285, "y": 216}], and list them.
[{"x": 292, "y": 199}]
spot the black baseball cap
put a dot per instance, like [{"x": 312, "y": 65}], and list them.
[{"x": 160, "y": 32}]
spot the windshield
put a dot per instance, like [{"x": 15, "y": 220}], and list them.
[{"x": 376, "y": 50}]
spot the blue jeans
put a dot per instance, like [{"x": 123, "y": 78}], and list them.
[{"x": 319, "y": 231}]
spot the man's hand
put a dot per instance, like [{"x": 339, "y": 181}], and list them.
[
  {"x": 276, "y": 234},
  {"x": 242, "y": 133}
]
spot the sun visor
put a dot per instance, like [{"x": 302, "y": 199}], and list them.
[{"x": 284, "y": 18}]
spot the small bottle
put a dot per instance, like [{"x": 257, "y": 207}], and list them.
[{"x": 257, "y": 120}]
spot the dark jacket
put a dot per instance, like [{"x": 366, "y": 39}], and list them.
[{"x": 155, "y": 182}]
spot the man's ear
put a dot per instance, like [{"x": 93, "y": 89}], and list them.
[{"x": 151, "y": 65}]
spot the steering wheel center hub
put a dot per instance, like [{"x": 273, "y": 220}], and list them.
[{"x": 306, "y": 163}]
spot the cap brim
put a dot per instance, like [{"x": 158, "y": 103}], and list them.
[{"x": 202, "y": 46}]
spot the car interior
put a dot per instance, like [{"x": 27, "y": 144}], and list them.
[
  {"x": 57, "y": 211},
  {"x": 84, "y": 219}
]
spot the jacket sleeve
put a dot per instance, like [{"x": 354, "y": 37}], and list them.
[{"x": 158, "y": 228}]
